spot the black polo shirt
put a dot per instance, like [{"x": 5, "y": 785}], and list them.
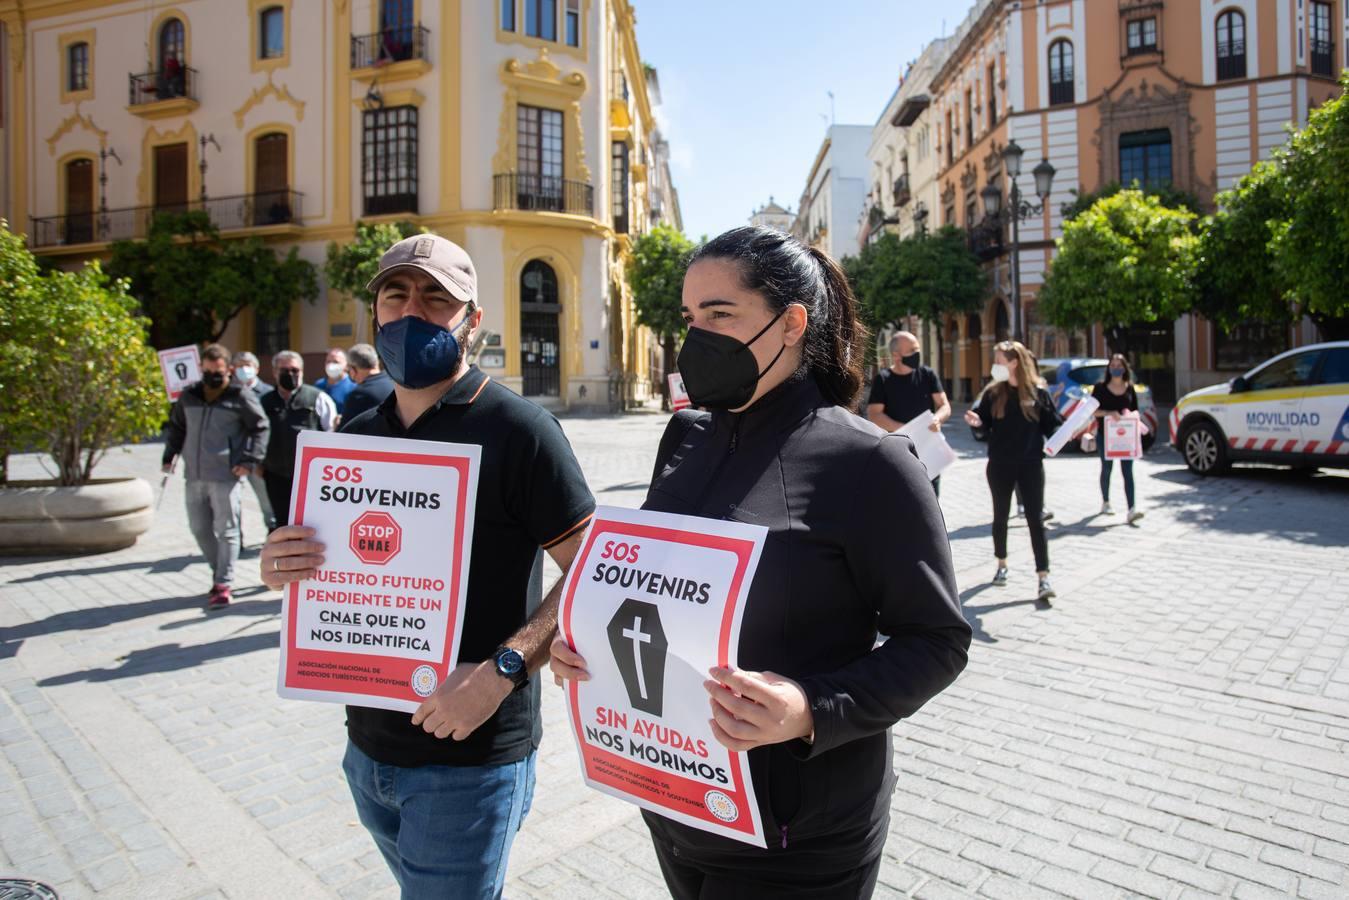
[
  {"x": 906, "y": 397},
  {"x": 531, "y": 496}
]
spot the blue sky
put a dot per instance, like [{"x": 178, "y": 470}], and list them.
[{"x": 744, "y": 87}]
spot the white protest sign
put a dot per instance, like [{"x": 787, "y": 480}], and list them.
[
  {"x": 379, "y": 624},
  {"x": 1078, "y": 419},
  {"x": 933, "y": 451},
  {"x": 181, "y": 366},
  {"x": 1123, "y": 438},
  {"x": 679, "y": 397},
  {"x": 652, "y": 602}
]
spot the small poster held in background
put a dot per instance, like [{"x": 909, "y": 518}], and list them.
[
  {"x": 679, "y": 398},
  {"x": 181, "y": 366},
  {"x": 933, "y": 451},
  {"x": 1123, "y": 438}
]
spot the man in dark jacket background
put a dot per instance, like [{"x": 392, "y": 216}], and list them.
[
  {"x": 372, "y": 385},
  {"x": 293, "y": 407},
  {"x": 219, "y": 429}
]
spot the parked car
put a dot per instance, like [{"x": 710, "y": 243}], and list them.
[
  {"x": 1071, "y": 379},
  {"x": 1292, "y": 409}
]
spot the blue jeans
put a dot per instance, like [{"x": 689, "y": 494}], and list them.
[
  {"x": 1125, "y": 465},
  {"x": 445, "y": 831}
]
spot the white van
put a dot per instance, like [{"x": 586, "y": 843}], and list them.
[{"x": 1292, "y": 410}]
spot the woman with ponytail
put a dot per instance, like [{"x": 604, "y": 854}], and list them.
[
  {"x": 1018, "y": 414},
  {"x": 856, "y": 544}
]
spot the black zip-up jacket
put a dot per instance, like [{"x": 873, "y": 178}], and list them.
[
  {"x": 214, "y": 437},
  {"x": 1014, "y": 438},
  {"x": 856, "y": 544}
]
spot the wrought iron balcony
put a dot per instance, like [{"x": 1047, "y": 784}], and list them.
[
  {"x": 389, "y": 46},
  {"x": 1323, "y": 58},
  {"x": 128, "y": 223},
  {"x": 986, "y": 240},
  {"x": 902, "y": 194},
  {"x": 1061, "y": 92},
  {"x": 169, "y": 83},
  {"x": 542, "y": 193}
]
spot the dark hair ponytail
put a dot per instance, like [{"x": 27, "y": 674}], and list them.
[{"x": 785, "y": 271}]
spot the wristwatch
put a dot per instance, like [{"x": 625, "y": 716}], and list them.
[{"x": 510, "y": 664}]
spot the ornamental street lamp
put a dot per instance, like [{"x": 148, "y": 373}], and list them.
[{"x": 1018, "y": 210}]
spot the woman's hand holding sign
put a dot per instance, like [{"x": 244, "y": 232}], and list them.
[
  {"x": 289, "y": 555},
  {"x": 752, "y": 709}
]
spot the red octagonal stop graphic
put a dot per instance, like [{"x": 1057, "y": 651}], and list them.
[{"x": 375, "y": 538}]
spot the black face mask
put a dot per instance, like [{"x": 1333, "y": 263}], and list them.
[
  {"x": 288, "y": 380},
  {"x": 213, "y": 380},
  {"x": 719, "y": 371},
  {"x": 912, "y": 360}
]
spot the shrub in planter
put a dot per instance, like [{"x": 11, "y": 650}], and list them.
[{"x": 76, "y": 374}]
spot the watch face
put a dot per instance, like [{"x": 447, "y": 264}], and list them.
[{"x": 510, "y": 661}]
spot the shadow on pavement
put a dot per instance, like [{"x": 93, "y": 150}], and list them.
[
  {"x": 1221, "y": 503},
  {"x": 158, "y": 567},
  {"x": 169, "y": 658},
  {"x": 974, "y": 614},
  {"x": 252, "y": 608}
]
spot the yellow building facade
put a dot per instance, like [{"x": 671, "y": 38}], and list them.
[{"x": 521, "y": 129}]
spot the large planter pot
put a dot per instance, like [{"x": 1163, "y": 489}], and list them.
[{"x": 41, "y": 517}]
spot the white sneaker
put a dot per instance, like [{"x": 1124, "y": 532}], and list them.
[
  {"x": 1107, "y": 509},
  {"x": 1135, "y": 515}
]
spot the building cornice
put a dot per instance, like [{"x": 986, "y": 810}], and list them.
[{"x": 968, "y": 41}]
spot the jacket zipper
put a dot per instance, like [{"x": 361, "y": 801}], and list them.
[
  {"x": 782, "y": 829},
  {"x": 721, "y": 463},
  {"x": 205, "y": 421}
]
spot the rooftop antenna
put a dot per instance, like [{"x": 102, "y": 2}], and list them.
[{"x": 831, "y": 106}]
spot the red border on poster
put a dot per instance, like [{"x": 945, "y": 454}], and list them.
[
  {"x": 174, "y": 353},
  {"x": 630, "y": 776},
  {"x": 390, "y": 676}
]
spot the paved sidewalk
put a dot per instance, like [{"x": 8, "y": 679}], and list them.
[{"x": 1175, "y": 725}]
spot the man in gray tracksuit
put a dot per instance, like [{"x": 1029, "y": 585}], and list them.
[{"x": 220, "y": 430}]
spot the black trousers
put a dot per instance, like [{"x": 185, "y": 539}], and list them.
[
  {"x": 1028, "y": 480},
  {"x": 278, "y": 492},
  {"x": 688, "y": 881}
]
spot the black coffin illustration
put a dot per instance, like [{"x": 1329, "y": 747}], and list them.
[{"x": 638, "y": 643}]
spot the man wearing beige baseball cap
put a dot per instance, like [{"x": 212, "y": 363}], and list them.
[{"x": 444, "y": 792}]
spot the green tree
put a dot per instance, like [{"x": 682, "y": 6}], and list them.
[
  {"x": 1127, "y": 259},
  {"x": 351, "y": 265},
  {"x": 1238, "y": 277},
  {"x": 75, "y": 370},
  {"x": 1167, "y": 193},
  {"x": 1311, "y": 246},
  {"x": 191, "y": 284},
  {"x": 923, "y": 275},
  {"x": 655, "y": 274}
]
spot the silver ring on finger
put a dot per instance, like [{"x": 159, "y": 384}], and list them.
[{"x": 276, "y": 564}]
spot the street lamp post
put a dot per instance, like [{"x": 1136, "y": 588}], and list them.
[{"x": 1018, "y": 209}]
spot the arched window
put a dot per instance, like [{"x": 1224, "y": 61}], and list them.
[
  {"x": 1060, "y": 73},
  {"x": 271, "y": 179},
  {"x": 539, "y": 332},
  {"x": 172, "y": 61},
  {"x": 272, "y": 33},
  {"x": 1231, "y": 45},
  {"x": 77, "y": 67},
  {"x": 79, "y": 176},
  {"x": 172, "y": 43}
]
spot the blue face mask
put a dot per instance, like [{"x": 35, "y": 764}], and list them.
[
  {"x": 1116, "y": 373},
  {"x": 417, "y": 353}
]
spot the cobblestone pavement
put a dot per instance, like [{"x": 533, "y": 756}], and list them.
[{"x": 1174, "y": 726}]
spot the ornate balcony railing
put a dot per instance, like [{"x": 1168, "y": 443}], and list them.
[
  {"x": 389, "y": 46},
  {"x": 542, "y": 193},
  {"x": 1232, "y": 60},
  {"x": 902, "y": 193},
  {"x": 226, "y": 213},
  {"x": 168, "y": 83},
  {"x": 986, "y": 240},
  {"x": 1323, "y": 58}
]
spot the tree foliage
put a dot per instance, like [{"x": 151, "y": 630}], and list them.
[
  {"x": 1237, "y": 275},
  {"x": 923, "y": 275},
  {"x": 1167, "y": 194},
  {"x": 76, "y": 372},
  {"x": 655, "y": 275},
  {"x": 191, "y": 284},
  {"x": 351, "y": 265},
  {"x": 1127, "y": 259}
]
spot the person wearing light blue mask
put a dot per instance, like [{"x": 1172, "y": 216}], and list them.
[
  {"x": 246, "y": 373},
  {"x": 443, "y": 792}
]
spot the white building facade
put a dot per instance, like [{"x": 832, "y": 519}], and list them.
[{"x": 835, "y": 189}]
